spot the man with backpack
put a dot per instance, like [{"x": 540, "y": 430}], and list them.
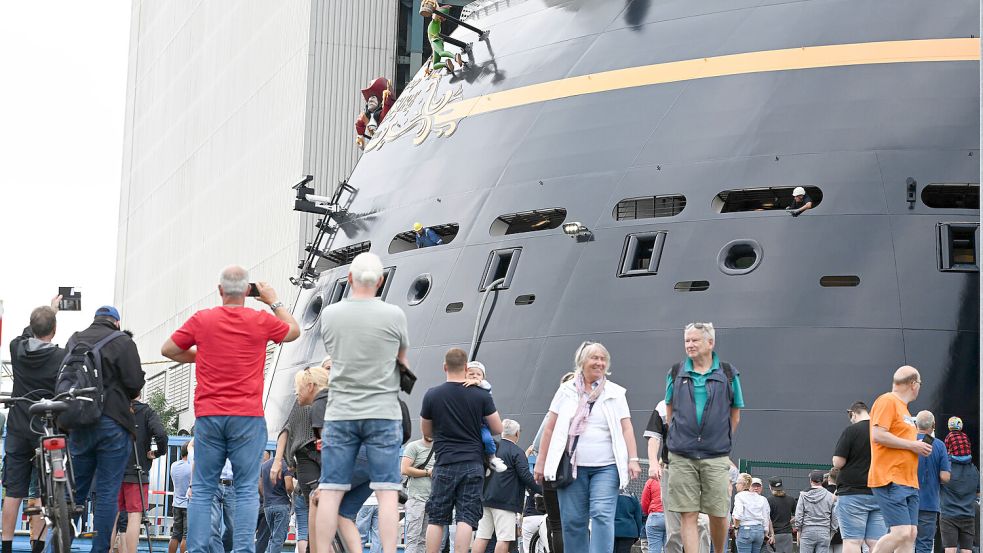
[
  {"x": 35, "y": 363},
  {"x": 700, "y": 436},
  {"x": 101, "y": 449}
]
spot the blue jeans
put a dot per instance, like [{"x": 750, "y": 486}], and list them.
[
  {"x": 592, "y": 498},
  {"x": 655, "y": 532},
  {"x": 301, "y": 510},
  {"x": 927, "y": 522},
  {"x": 100, "y": 451},
  {"x": 223, "y": 518},
  {"x": 341, "y": 442},
  {"x": 750, "y": 538},
  {"x": 487, "y": 440},
  {"x": 262, "y": 532},
  {"x": 241, "y": 440},
  {"x": 368, "y": 526},
  {"x": 278, "y": 518}
]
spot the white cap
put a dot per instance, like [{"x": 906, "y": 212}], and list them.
[
  {"x": 799, "y": 191},
  {"x": 366, "y": 268},
  {"x": 756, "y": 482},
  {"x": 477, "y": 365}
]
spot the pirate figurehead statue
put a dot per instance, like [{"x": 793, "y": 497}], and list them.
[{"x": 379, "y": 99}]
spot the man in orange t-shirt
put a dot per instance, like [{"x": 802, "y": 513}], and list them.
[{"x": 894, "y": 452}]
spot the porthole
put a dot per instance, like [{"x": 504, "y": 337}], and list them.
[
  {"x": 313, "y": 311},
  {"x": 454, "y": 307},
  {"x": 419, "y": 289},
  {"x": 739, "y": 257}
]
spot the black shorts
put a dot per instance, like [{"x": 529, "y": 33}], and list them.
[
  {"x": 958, "y": 532},
  {"x": 456, "y": 486},
  {"x": 18, "y": 463},
  {"x": 179, "y": 529},
  {"x": 308, "y": 473}
]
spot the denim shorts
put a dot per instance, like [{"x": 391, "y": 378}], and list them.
[
  {"x": 860, "y": 517},
  {"x": 899, "y": 504},
  {"x": 354, "y": 498},
  {"x": 341, "y": 442},
  {"x": 456, "y": 487}
]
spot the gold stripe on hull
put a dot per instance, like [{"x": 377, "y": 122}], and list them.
[{"x": 811, "y": 57}]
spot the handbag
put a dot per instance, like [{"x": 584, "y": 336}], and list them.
[
  {"x": 564, "y": 471},
  {"x": 406, "y": 377}
]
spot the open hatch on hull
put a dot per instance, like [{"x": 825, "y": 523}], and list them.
[
  {"x": 406, "y": 240},
  {"x": 528, "y": 221},
  {"x": 761, "y": 199}
]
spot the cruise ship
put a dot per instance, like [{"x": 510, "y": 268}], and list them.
[{"x": 612, "y": 170}]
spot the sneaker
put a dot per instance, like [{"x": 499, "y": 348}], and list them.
[
  {"x": 457, "y": 58},
  {"x": 450, "y": 65},
  {"x": 498, "y": 465}
]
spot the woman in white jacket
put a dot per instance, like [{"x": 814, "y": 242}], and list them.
[{"x": 590, "y": 420}]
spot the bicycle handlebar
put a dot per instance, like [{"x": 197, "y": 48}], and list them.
[{"x": 73, "y": 393}]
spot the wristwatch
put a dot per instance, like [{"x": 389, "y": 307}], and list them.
[{"x": 276, "y": 305}]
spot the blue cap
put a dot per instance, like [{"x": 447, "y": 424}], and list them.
[{"x": 108, "y": 311}]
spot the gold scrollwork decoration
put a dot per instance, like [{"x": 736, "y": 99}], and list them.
[{"x": 416, "y": 110}]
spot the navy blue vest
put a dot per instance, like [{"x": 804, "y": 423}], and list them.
[{"x": 711, "y": 438}]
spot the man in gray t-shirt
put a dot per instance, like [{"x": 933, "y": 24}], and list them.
[
  {"x": 417, "y": 466},
  {"x": 364, "y": 337}
]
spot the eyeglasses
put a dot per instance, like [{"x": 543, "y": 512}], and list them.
[{"x": 700, "y": 326}]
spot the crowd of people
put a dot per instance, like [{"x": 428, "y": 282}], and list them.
[{"x": 343, "y": 462}]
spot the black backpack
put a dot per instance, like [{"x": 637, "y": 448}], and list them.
[{"x": 82, "y": 368}]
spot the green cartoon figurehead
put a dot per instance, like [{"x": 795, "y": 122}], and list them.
[{"x": 441, "y": 58}]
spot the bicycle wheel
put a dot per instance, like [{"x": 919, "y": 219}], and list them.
[{"x": 59, "y": 515}]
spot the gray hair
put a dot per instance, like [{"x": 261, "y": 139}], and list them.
[
  {"x": 584, "y": 352},
  {"x": 510, "y": 428},
  {"x": 234, "y": 281},
  {"x": 925, "y": 420},
  {"x": 366, "y": 269},
  {"x": 706, "y": 328}
]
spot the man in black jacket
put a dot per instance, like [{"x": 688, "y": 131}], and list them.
[
  {"x": 504, "y": 493},
  {"x": 35, "y": 362},
  {"x": 134, "y": 493},
  {"x": 103, "y": 449}
]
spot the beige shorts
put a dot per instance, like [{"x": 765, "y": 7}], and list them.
[
  {"x": 698, "y": 485},
  {"x": 498, "y": 522}
]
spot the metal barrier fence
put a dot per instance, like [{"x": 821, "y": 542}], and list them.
[{"x": 795, "y": 476}]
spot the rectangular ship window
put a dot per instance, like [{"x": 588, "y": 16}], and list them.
[
  {"x": 642, "y": 253},
  {"x": 387, "y": 275},
  {"x": 339, "y": 291},
  {"x": 959, "y": 247},
  {"x": 501, "y": 265}
]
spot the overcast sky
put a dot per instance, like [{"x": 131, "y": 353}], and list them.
[{"x": 63, "y": 66}]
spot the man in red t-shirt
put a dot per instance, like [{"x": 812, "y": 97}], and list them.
[{"x": 227, "y": 344}]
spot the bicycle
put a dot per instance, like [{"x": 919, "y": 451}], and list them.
[{"x": 56, "y": 479}]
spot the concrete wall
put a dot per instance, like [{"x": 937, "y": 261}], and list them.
[{"x": 228, "y": 104}]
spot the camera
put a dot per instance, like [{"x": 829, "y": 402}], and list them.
[{"x": 71, "y": 298}]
